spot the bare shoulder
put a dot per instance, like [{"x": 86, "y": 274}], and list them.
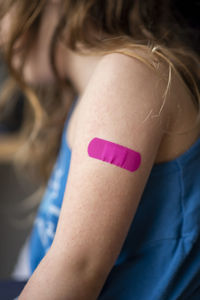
[
  {"x": 128, "y": 84},
  {"x": 133, "y": 69}
]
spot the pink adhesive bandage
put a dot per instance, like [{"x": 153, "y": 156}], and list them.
[{"x": 115, "y": 154}]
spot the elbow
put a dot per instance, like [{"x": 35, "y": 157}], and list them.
[{"x": 84, "y": 269}]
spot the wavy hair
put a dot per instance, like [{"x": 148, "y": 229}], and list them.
[{"x": 165, "y": 30}]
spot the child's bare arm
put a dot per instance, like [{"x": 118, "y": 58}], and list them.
[{"x": 101, "y": 199}]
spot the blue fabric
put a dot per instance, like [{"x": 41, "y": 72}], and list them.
[{"x": 160, "y": 258}]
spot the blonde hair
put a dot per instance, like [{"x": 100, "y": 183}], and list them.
[{"x": 127, "y": 25}]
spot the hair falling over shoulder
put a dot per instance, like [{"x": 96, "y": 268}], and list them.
[{"x": 166, "y": 30}]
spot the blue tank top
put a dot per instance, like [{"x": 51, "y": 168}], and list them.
[{"x": 160, "y": 258}]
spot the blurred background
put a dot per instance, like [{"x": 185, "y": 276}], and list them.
[{"x": 19, "y": 197}]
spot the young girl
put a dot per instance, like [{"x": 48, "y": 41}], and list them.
[{"x": 120, "y": 218}]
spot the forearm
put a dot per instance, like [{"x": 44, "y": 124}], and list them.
[{"x": 55, "y": 279}]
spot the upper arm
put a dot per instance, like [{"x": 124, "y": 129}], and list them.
[{"x": 100, "y": 198}]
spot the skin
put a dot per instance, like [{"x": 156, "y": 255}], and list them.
[{"x": 95, "y": 218}]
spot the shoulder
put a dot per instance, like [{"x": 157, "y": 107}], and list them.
[
  {"x": 133, "y": 67},
  {"x": 123, "y": 86}
]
